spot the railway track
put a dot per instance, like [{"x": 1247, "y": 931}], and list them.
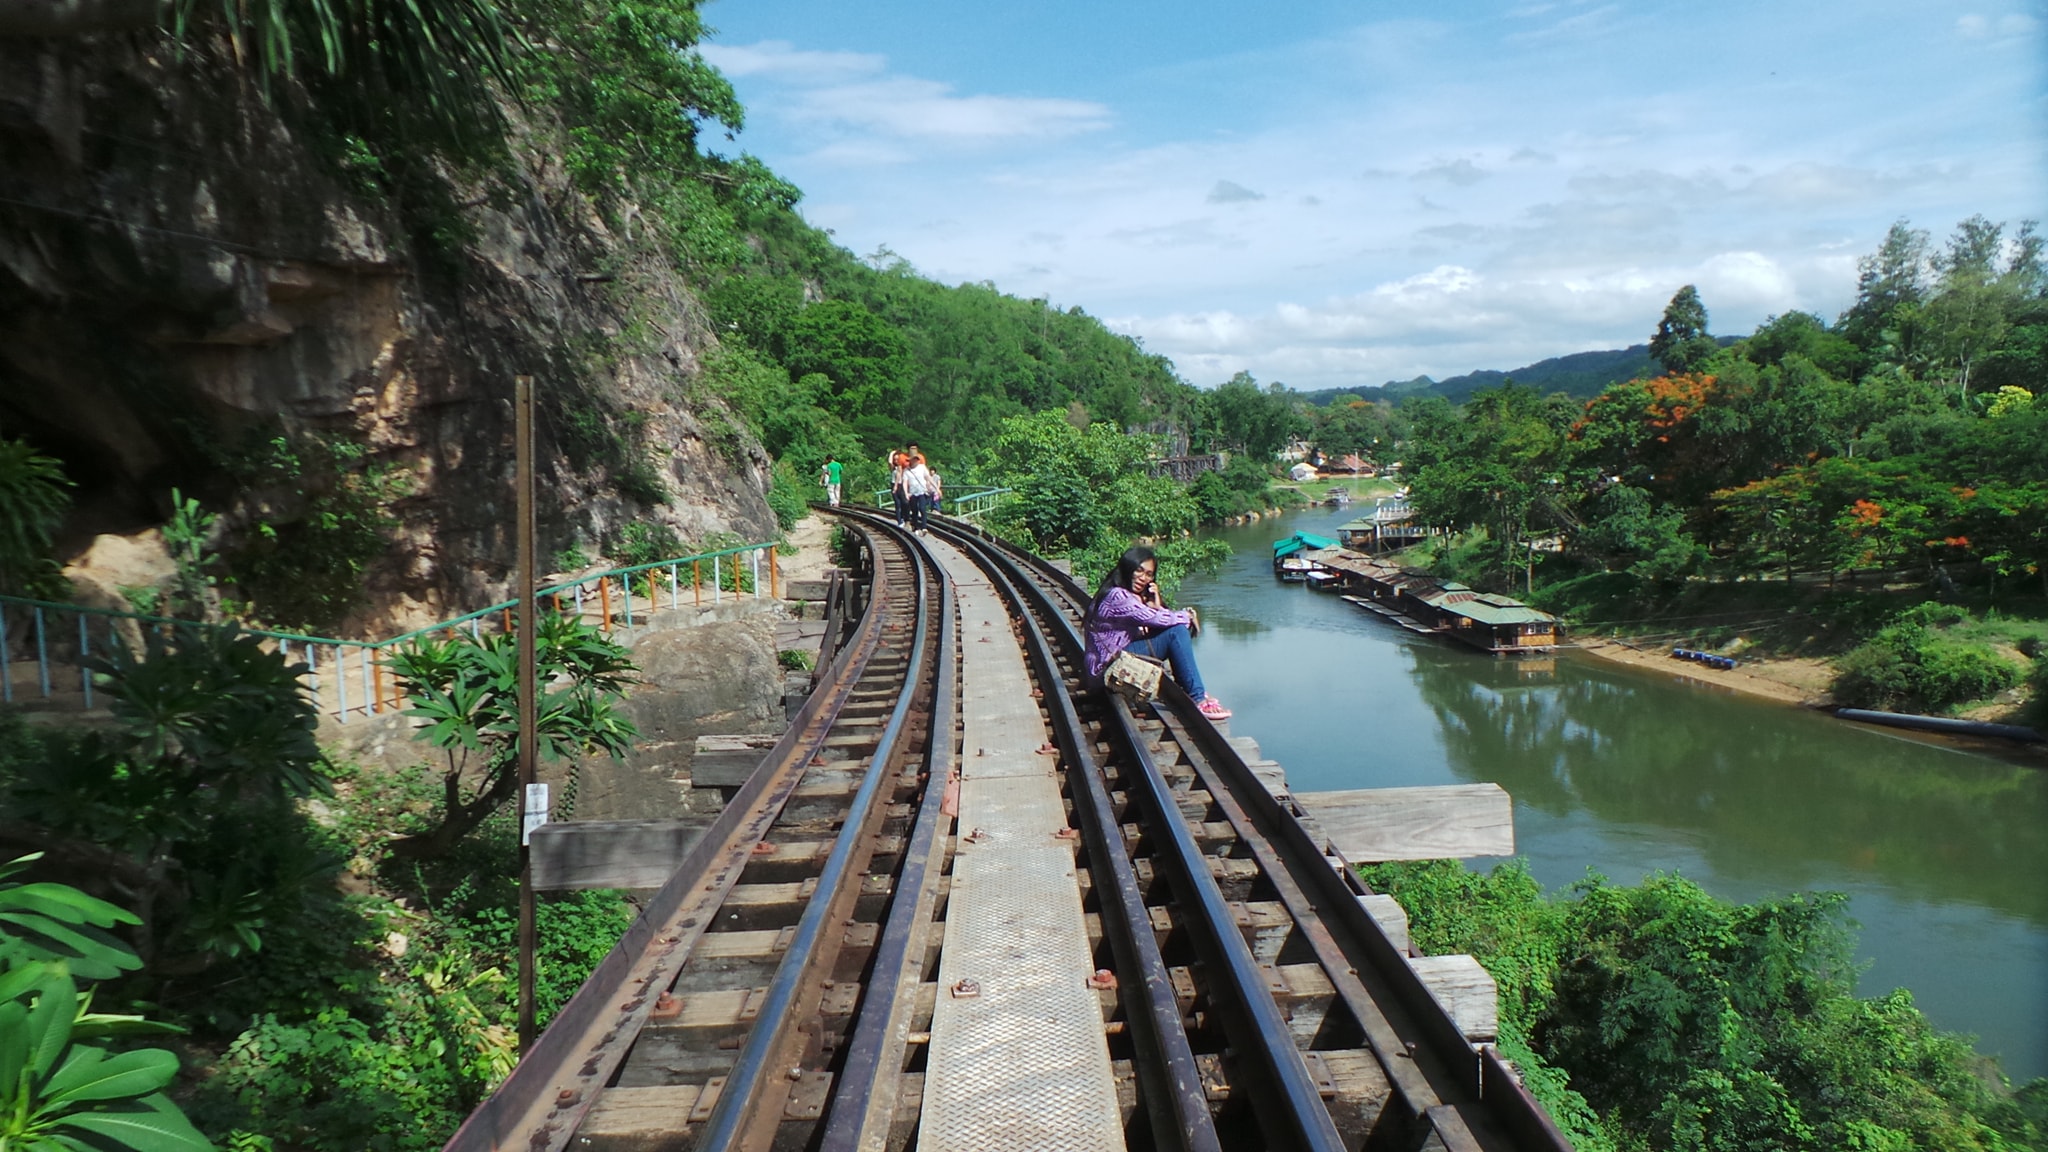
[{"x": 799, "y": 983}]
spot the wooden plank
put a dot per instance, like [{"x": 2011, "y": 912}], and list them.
[
  {"x": 727, "y": 761},
  {"x": 1390, "y": 916},
  {"x": 1453, "y": 822},
  {"x": 612, "y": 853},
  {"x": 1466, "y": 991},
  {"x": 630, "y": 1115}
]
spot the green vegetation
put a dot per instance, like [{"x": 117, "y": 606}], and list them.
[
  {"x": 322, "y": 513},
  {"x": 796, "y": 659},
  {"x": 34, "y": 496},
  {"x": 64, "y": 1083},
  {"x": 368, "y": 1015},
  {"x": 465, "y": 688},
  {"x": 1902, "y": 446},
  {"x": 1656, "y": 1016}
]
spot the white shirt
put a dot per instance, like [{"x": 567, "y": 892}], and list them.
[{"x": 917, "y": 480}]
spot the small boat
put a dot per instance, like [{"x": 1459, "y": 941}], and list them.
[
  {"x": 1321, "y": 579},
  {"x": 1295, "y": 569}
]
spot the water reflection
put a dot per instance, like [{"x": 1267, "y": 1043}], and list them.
[
  {"x": 1944, "y": 854},
  {"x": 1773, "y": 796}
]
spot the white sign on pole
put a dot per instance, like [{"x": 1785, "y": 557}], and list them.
[{"x": 535, "y": 813}]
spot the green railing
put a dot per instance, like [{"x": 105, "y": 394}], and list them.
[
  {"x": 611, "y": 599},
  {"x": 966, "y": 506}
]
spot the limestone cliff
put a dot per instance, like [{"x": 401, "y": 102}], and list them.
[{"x": 179, "y": 268}]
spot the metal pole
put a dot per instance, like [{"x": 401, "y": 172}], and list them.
[
  {"x": 84, "y": 673},
  {"x": 341, "y": 682},
  {"x": 529, "y": 711},
  {"x": 313, "y": 677},
  {"x": 42, "y": 656},
  {"x": 717, "y": 581}
]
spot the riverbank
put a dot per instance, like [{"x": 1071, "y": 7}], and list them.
[{"x": 1801, "y": 680}]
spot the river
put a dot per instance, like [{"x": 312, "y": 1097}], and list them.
[{"x": 1944, "y": 854}]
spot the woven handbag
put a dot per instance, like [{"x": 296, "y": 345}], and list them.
[{"x": 1133, "y": 677}]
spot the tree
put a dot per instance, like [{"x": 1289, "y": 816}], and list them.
[
  {"x": 1239, "y": 416},
  {"x": 466, "y": 689},
  {"x": 1681, "y": 343},
  {"x": 1891, "y": 284},
  {"x": 865, "y": 357}
]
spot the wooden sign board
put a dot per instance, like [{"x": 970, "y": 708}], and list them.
[
  {"x": 611, "y": 853},
  {"x": 1452, "y": 822}
]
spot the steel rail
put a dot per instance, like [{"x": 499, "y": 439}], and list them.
[
  {"x": 1285, "y": 1098},
  {"x": 731, "y": 1124},
  {"x": 1439, "y": 1077},
  {"x": 1471, "y": 1098},
  {"x": 1176, "y": 1102},
  {"x": 539, "y": 1106},
  {"x": 863, "y": 1104}
]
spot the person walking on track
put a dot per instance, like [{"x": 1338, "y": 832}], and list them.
[
  {"x": 829, "y": 477},
  {"x": 918, "y": 487}
]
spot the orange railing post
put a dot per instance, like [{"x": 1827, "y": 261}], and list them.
[
  {"x": 604, "y": 599},
  {"x": 772, "y": 593},
  {"x": 697, "y": 581}
]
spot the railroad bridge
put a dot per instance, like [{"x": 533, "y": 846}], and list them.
[{"x": 966, "y": 903}]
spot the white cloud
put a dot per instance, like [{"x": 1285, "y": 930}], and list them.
[
  {"x": 783, "y": 60},
  {"x": 909, "y": 108},
  {"x": 854, "y": 100}
]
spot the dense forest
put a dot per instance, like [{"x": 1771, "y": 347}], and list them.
[{"x": 326, "y": 951}]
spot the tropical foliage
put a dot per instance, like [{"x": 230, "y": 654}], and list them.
[
  {"x": 63, "y": 1084},
  {"x": 466, "y": 691},
  {"x": 1657, "y": 1016},
  {"x": 34, "y": 495}
]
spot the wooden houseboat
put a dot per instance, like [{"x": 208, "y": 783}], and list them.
[
  {"x": 1422, "y": 603},
  {"x": 1289, "y": 560},
  {"x": 1390, "y": 524}
]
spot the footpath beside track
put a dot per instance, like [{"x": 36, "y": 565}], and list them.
[{"x": 967, "y": 902}]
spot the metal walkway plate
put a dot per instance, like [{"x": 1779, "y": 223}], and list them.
[{"x": 1022, "y": 1063}]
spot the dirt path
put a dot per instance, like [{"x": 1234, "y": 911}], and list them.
[{"x": 1790, "y": 681}]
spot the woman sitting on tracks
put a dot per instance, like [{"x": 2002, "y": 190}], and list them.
[{"x": 1128, "y": 614}]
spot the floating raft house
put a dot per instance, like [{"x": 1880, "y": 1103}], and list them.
[
  {"x": 1421, "y": 603},
  {"x": 1290, "y": 556}
]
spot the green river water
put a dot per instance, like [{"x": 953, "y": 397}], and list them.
[{"x": 1943, "y": 853}]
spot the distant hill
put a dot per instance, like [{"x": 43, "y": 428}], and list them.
[{"x": 1581, "y": 374}]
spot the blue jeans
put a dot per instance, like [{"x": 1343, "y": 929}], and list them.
[
  {"x": 920, "y": 507},
  {"x": 1175, "y": 647}
]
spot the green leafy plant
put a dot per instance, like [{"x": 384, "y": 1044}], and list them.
[
  {"x": 796, "y": 659},
  {"x": 61, "y": 1089},
  {"x": 644, "y": 542},
  {"x": 212, "y": 741},
  {"x": 186, "y": 536},
  {"x": 322, "y": 515},
  {"x": 466, "y": 689},
  {"x": 34, "y": 496}
]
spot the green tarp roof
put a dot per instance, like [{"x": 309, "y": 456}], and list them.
[{"x": 1298, "y": 541}]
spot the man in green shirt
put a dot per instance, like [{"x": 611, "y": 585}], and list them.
[{"x": 829, "y": 477}]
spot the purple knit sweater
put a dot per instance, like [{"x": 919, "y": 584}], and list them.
[{"x": 1119, "y": 619}]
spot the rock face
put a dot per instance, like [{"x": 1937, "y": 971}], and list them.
[{"x": 180, "y": 271}]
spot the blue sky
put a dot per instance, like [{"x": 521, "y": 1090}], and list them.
[{"x": 1335, "y": 194}]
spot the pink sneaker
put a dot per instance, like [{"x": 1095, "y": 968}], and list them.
[{"x": 1213, "y": 708}]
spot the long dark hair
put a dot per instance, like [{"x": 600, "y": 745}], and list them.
[{"x": 1119, "y": 576}]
